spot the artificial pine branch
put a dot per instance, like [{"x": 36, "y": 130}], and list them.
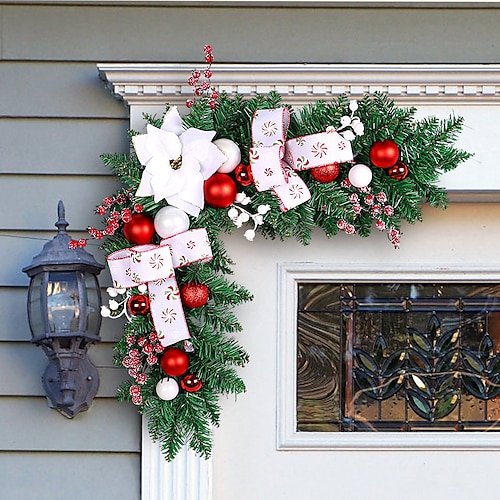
[{"x": 426, "y": 147}]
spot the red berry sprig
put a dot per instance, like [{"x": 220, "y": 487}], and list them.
[
  {"x": 376, "y": 204},
  {"x": 201, "y": 81},
  {"x": 115, "y": 214}
]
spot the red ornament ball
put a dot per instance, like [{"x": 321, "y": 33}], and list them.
[
  {"x": 243, "y": 174},
  {"x": 174, "y": 362},
  {"x": 384, "y": 154},
  {"x": 220, "y": 190},
  {"x": 326, "y": 173},
  {"x": 194, "y": 295},
  {"x": 140, "y": 230},
  {"x": 138, "y": 305},
  {"x": 398, "y": 171},
  {"x": 191, "y": 383}
]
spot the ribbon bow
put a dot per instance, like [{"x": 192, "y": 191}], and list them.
[
  {"x": 274, "y": 161},
  {"x": 155, "y": 265}
]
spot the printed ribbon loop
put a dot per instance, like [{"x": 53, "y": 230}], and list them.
[
  {"x": 274, "y": 161},
  {"x": 155, "y": 266}
]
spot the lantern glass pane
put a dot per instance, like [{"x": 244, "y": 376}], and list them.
[
  {"x": 93, "y": 322},
  {"x": 63, "y": 302},
  {"x": 36, "y": 306}
]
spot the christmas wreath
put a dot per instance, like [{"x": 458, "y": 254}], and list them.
[{"x": 256, "y": 164}]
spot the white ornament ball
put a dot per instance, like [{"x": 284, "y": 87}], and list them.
[
  {"x": 360, "y": 175},
  {"x": 232, "y": 152},
  {"x": 167, "y": 389},
  {"x": 171, "y": 220}
]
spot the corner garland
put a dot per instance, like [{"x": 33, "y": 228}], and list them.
[{"x": 230, "y": 163}]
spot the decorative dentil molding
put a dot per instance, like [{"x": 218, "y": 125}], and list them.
[{"x": 299, "y": 84}]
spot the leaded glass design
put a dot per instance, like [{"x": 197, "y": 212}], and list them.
[{"x": 398, "y": 357}]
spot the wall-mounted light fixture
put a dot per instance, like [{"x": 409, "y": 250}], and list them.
[{"x": 64, "y": 302}]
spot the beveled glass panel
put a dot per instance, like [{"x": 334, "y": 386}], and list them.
[
  {"x": 404, "y": 356},
  {"x": 318, "y": 377}
]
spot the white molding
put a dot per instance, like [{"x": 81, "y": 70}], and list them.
[
  {"x": 288, "y": 438},
  {"x": 187, "y": 477},
  {"x": 300, "y": 84}
]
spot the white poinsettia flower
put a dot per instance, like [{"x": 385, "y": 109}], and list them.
[{"x": 177, "y": 162}]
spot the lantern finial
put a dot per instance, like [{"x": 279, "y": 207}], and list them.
[{"x": 61, "y": 224}]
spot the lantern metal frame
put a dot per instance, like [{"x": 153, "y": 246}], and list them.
[{"x": 70, "y": 380}]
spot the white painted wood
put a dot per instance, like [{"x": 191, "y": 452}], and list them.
[
  {"x": 471, "y": 91},
  {"x": 289, "y": 276},
  {"x": 187, "y": 477}
]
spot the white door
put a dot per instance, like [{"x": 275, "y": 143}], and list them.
[{"x": 246, "y": 462}]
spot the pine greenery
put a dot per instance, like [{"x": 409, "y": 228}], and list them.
[{"x": 426, "y": 146}]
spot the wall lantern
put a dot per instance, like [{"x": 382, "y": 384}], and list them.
[{"x": 64, "y": 303}]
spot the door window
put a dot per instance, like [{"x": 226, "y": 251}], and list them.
[{"x": 397, "y": 356}]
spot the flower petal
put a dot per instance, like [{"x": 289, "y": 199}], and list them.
[
  {"x": 162, "y": 143},
  {"x": 172, "y": 121},
  {"x": 214, "y": 159},
  {"x": 145, "y": 188},
  {"x": 140, "y": 147},
  {"x": 196, "y": 142}
]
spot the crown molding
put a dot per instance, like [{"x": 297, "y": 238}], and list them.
[{"x": 300, "y": 84}]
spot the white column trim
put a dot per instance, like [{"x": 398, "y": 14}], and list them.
[{"x": 187, "y": 477}]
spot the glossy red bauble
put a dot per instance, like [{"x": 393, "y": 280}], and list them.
[
  {"x": 220, "y": 190},
  {"x": 140, "y": 230},
  {"x": 243, "y": 174},
  {"x": 191, "y": 383},
  {"x": 174, "y": 362},
  {"x": 326, "y": 173},
  {"x": 194, "y": 294},
  {"x": 398, "y": 171},
  {"x": 138, "y": 305},
  {"x": 384, "y": 154}
]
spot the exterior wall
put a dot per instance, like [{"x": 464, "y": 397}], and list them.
[{"x": 55, "y": 120}]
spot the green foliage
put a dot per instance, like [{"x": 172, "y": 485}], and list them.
[{"x": 426, "y": 147}]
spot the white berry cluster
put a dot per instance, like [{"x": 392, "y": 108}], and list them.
[
  {"x": 351, "y": 122},
  {"x": 240, "y": 215}
]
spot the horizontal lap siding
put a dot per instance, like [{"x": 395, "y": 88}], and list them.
[
  {"x": 64, "y": 475},
  {"x": 251, "y": 34},
  {"x": 56, "y": 118}
]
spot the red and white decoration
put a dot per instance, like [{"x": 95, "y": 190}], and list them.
[{"x": 155, "y": 266}]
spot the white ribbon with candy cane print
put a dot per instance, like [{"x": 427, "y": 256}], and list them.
[
  {"x": 273, "y": 160},
  {"x": 155, "y": 265}
]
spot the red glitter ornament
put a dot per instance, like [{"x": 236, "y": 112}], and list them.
[
  {"x": 398, "y": 172},
  {"x": 138, "y": 305},
  {"x": 194, "y": 294},
  {"x": 174, "y": 362},
  {"x": 326, "y": 173},
  {"x": 220, "y": 190},
  {"x": 140, "y": 230},
  {"x": 191, "y": 383},
  {"x": 243, "y": 174},
  {"x": 384, "y": 154}
]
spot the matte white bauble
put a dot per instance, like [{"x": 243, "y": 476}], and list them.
[
  {"x": 167, "y": 388},
  {"x": 360, "y": 175},
  {"x": 232, "y": 152},
  {"x": 171, "y": 220}
]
